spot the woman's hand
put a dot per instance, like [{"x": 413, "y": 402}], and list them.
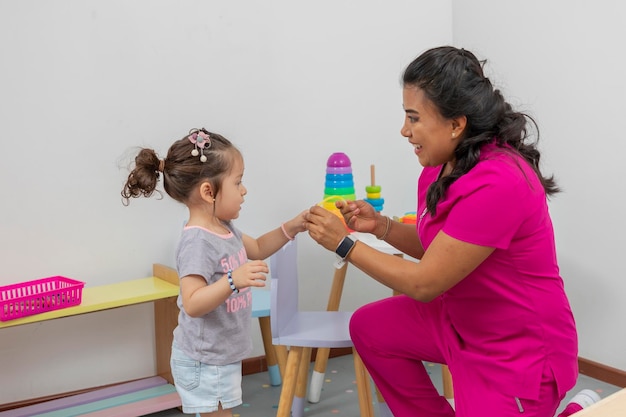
[
  {"x": 325, "y": 227},
  {"x": 359, "y": 215}
]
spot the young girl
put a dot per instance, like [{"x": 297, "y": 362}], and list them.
[{"x": 204, "y": 171}]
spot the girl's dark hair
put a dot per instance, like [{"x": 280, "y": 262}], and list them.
[
  {"x": 182, "y": 171},
  {"x": 453, "y": 80}
]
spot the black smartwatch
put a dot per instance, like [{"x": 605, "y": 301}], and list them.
[{"x": 345, "y": 246}]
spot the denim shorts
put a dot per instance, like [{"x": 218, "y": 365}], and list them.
[{"x": 203, "y": 387}]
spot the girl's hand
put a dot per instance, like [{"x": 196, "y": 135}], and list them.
[
  {"x": 250, "y": 274},
  {"x": 296, "y": 225}
]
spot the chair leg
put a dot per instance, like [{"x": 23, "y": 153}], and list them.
[
  {"x": 297, "y": 407},
  {"x": 281, "y": 357},
  {"x": 270, "y": 353},
  {"x": 383, "y": 408},
  {"x": 446, "y": 377},
  {"x": 321, "y": 358},
  {"x": 289, "y": 381},
  {"x": 318, "y": 374},
  {"x": 363, "y": 386}
]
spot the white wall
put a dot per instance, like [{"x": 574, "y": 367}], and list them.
[
  {"x": 563, "y": 61},
  {"x": 83, "y": 82}
]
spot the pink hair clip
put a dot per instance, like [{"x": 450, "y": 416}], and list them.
[{"x": 200, "y": 140}]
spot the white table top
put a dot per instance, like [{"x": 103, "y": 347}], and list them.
[{"x": 372, "y": 241}]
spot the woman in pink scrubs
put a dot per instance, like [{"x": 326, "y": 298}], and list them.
[{"x": 486, "y": 297}]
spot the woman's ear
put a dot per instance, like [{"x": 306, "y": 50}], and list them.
[
  {"x": 206, "y": 192},
  {"x": 458, "y": 126}
]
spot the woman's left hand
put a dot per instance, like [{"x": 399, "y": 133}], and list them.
[{"x": 325, "y": 227}]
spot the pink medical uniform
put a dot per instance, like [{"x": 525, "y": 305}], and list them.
[{"x": 506, "y": 330}]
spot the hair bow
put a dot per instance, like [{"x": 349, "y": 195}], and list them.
[{"x": 201, "y": 140}]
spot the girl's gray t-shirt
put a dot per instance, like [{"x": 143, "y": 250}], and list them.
[{"x": 221, "y": 336}]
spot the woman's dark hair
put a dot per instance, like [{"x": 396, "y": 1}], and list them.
[
  {"x": 453, "y": 80},
  {"x": 182, "y": 171}
]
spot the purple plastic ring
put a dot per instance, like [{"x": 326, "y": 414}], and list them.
[{"x": 339, "y": 170}]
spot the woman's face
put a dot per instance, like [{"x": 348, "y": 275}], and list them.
[{"x": 433, "y": 137}]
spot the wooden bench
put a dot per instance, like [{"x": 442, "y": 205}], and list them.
[{"x": 162, "y": 290}]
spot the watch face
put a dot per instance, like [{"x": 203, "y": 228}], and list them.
[{"x": 344, "y": 247}]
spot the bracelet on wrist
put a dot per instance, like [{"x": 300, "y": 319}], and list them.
[
  {"x": 282, "y": 227},
  {"x": 231, "y": 282},
  {"x": 387, "y": 227}
]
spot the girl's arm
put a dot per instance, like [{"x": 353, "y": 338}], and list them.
[
  {"x": 199, "y": 298},
  {"x": 265, "y": 245}
]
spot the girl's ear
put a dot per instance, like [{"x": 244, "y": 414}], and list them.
[{"x": 206, "y": 192}]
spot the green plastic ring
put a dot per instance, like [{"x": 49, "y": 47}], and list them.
[{"x": 338, "y": 191}]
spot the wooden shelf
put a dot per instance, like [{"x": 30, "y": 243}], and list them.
[
  {"x": 161, "y": 289},
  {"x": 105, "y": 297}
]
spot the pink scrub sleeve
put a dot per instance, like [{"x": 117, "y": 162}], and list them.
[{"x": 493, "y": 211}]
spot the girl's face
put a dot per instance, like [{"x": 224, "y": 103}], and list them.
[
  {"x": 230, "y": 198},
  {"x": 433, "y": 137}
]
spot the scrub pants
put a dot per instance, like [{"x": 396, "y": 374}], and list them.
[{"x": 393, "y": 336}]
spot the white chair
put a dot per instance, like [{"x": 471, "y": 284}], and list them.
[{"x": 304, "y": 330}]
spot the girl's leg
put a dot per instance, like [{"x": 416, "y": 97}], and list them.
[
  {"x": 205, "y": 387},
  {"x": 393, "y": 337},
  {"x": 219, "y": 413}
]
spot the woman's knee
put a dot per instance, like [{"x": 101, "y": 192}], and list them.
[
  {"x": 365, "y": 323},
  {"x": 356, "y": 324}
]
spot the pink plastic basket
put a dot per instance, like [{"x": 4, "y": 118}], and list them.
[{"x": 38, "y": 296}]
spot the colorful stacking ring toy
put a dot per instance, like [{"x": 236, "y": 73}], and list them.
[
  {"x": 373, "y": 192},
  {"x": 339, "y": 180}
]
